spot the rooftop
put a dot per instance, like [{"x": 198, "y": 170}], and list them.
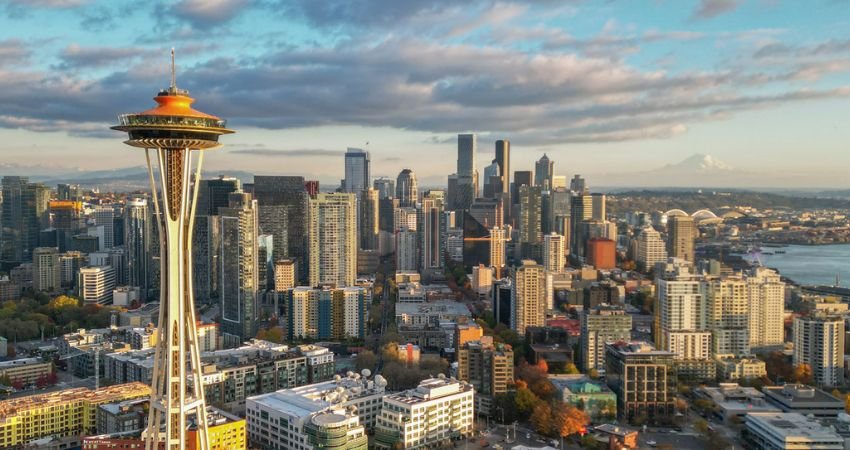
[
  {"x": 791, "y": 425},
  {"x": 435, "y": 308},
  {"x": 102, "y": 395},
  {"x": 430, "y": 389},
  {"x": 305, "y": 400}
]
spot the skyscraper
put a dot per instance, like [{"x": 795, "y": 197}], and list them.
[
  {"x": 333, "y": 240},
  {"x": 357, "y": 171},
  {"x": 598, "y": 207},
  {"x": 23, "y": 214},
  {"x": 175, "y": 132},
  {"x": 467, "y": 175},
  {"x": 385, "y": 187},
  {"x": 544, "y": 170},
  {"x": 681, "y": 232},
  {"x": 503, "y": 159},
  {"x": 405, "y": 189},
  {"x": 368, "y": 219},
  {"x": 283, "y": 213},
  {"x": 206, "y": 246},
  {"x": 766, "y": 293},
  {"x": 137, "y": 241},
  {"x": 529, "y": 297},
  {"x": 529, "y": 221},
  {"x": 213, "y": 194},
  {"x": 240, "y": 269},
  {"x": 492, "y": 180},
  {"x": 578, "y": 185},
  {"x": 104, "y": 217},
  {"x": 430, "y": 233},
  {"x": 581, "y": 209}
]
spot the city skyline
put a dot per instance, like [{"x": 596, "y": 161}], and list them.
[{"x": 769, "y": 84}]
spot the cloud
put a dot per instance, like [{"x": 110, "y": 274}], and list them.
[
  {"x": 76, "y": 57},
  {"x": 48, "y": 4},
  {"x": 13, "y": 51},
  {"x": 296, "y": 153},
  {"x": 203, "y": 14},
  {"x": 709, "y": 9}
]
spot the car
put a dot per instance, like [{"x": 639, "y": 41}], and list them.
[{"x": 651, "y": 443}]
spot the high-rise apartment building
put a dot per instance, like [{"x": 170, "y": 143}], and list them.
[
  {"x": 407, "y": 250},
  {"x": 554, "y": 252},
  {"x": 529, "y": 297},
  {"x": 489, "y": 368},
  {"x": 598, "y": 202},
  {"x": 766, "y": 293},
  {"x": 819, "y": 342},
  {"x": 284, "y": 275},
  {"x": 358, "y": 177},
  {"x": 368, "y": 219},
  {"x": 544, "y": 171},
  {"x": 96, "y": 284},
  {"x": 406, "y": 190},
  {"x": 499, "y": 238},
  {"x": 728, "y": 309},
  {"x": 327, "y": 313},
  {"x": 649, "y": 249},
  {"x": 681, "y": 233},
  {"x": 601, "y": 253},
  {"x": 333, "y": 240},
  {"x": 601, "y": 325},
  {"x": 239, "y": 261},
  {"x": 138, "y": 238},
  {"x": 644, "y": 380},
  {"x": 46, "y": 272},
  {"x": 283, "y": 213}
]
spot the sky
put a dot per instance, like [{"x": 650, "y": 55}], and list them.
[{"x": 601, "y": 87}]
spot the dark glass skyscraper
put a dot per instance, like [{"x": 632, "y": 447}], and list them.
[
  {"x": 137, "y": 241},
  {"x": 239, "y": 278},
  {"x": 23, "y": 215},
  {"x": 357, "y": 171},
  {"x": 544, "y": 172},
  {"x": 282, "y": 202},
  {"x": 213, "y": 194}
]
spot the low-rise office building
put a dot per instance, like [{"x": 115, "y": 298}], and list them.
[
  {"x": 732, "y": 400},
  {"x": 803, "y": 399},
  {"x": 644, "y": 380},
  {"x": 594, "y": 398},
  {"x": 437, "y": 412},
  {"x": 790, "y": 431},
  {"x": 26, "y": 371}
]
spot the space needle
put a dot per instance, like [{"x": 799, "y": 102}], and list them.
[{"x": 175, "y": 135}]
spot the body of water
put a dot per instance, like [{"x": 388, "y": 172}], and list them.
[{"x": 810, "y": 264}]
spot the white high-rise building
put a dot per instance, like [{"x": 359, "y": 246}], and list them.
[
  {"x": 529, "y": 297},
  {"x": 819, "y": 342},
  {"x": 767, "y": 308},
  {"x": 681, "y": 302},
  {"x": 438, "y": 410},
  {"x": 554, "y": 252},
  {"x": 333, "y": 239},
  {"x": 104, "y": 216},
  {"x": 650, "y": 249},
  {"x": 498, "y": 239},
  {"x": 728, "y": 311},
  {"x": 96, "y": 284},
  {"x": 239, "y": 263},
  {"x": 406, "y": 250}
]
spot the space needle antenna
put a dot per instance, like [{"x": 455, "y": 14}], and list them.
[{"x": 173, "y": 71}]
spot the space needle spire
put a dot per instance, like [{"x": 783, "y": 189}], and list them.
[{"x": 176, "y": 135}]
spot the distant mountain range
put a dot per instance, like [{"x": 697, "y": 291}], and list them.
[{"x": 704, "y": 171}]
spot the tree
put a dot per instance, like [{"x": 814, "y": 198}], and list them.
[
  {"x": 525, "y": 400},
  {"x": 847, "y": 404},
  {"x": 275, "y": 334},
  {"x": 571, "y": 369},
  {"x": 701, "y": 426},
  {"x": 542, "y": 366},
  {"x": 593, "y": 373},
  {"x": 681, "y": 405},
  {"x": 366, "y": 360},
  {"x": 803, "y": 373},
  {"x": 541, "y": 418},
  {"x": 567, "y": 420}
]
